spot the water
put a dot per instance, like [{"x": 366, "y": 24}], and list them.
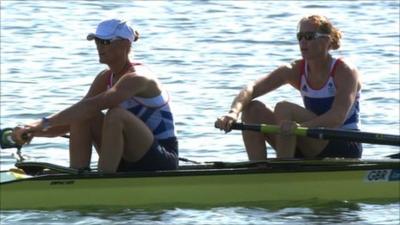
[{"x": 204, "y": 52}]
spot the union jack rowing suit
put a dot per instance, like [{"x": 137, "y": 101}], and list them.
[
  {"x": 156, "y": 113},
  {"x": 319, "y": 101}
]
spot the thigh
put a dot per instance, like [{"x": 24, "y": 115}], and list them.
[
  {"x": 258, "y": 112},
  {"x": 290, "y": 111},
  {"x": 309, "y": 147},
  {"x": 138, "y": 137}
]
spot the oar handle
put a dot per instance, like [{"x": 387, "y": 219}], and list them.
[
  {"x": 245, "y": 126},
  {"x": 263, "y": 128}
]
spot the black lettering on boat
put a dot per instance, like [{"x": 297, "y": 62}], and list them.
[
  {"x": 377, "y": 175},
  {"x": 62, "y": 182}
]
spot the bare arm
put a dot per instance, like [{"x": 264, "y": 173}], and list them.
[
  {"x": 98, "y": 86},
  {"x": 97, "y": 99},
  {"x": 128, "y": 86},
  {"x": 287, "y": 74}
]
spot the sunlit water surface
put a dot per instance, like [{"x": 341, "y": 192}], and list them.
[{"x": 204, "y": 52}]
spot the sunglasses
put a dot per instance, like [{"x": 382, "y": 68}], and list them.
[
  {"x": 105, "y": 41},
  {"x": 310, "y": 35}
]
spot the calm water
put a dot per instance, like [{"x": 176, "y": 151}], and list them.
[{"x": 204, "y": 52}]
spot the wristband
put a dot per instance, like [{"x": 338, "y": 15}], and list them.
[{"x": 45, "y": 123}]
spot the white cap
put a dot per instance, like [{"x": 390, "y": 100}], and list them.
[{"x": 114, "y": 28}]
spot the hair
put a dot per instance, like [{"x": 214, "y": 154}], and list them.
[{"x": 326, "y": 27}]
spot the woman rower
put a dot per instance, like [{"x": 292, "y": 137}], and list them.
[
  {"x": 330, "y": 88},
  {"x": 136, "y": 133}
]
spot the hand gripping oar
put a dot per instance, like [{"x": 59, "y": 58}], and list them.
[
  {"x": 326, "y": 133},
  {"x": 6, "y": 140}
]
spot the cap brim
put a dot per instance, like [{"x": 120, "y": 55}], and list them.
[{"x": 91, "y": 36}]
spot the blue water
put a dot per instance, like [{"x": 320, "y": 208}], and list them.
[{"x": 204, "y": 52}]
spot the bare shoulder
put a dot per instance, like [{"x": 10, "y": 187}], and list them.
[
  {"x": 291, "y": 71},
  {"x": 99, "y": 84},
  {"x": 346, "y": 66},
  {"x": 143, "y": 81},
  {"x": 144, "y": 71},
  {"x": 102, "y": 76},
  {"x": 101, "y": 80},
  {"x": 142, "y": 74},
  {"x": 347, "y": 73}
]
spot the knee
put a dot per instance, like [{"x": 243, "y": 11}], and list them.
[
  {"x": 252, "y": 110},
  {"x": 93, "y": 121},
  {"x": 114, "y": 116},
  {"x": 282, "y": 109},
  {"x": 283, "y": 105}
]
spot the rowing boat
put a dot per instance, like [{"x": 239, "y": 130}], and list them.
[{"x": 35, "y": 185}]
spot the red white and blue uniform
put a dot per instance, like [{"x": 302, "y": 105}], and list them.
[
  {"x": 156, "y": 113},
  {"x": 320, "y": 99}
]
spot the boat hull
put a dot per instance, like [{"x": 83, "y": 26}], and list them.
[{"x": 209, "y": 187}]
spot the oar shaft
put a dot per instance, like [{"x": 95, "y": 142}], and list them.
[
  {"x": 326, "y": 133},
  {"x": 351, "y": 135}
]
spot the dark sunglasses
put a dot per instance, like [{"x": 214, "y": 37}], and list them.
[
  {"x": 310, "y": 35},
  {"x": 105, "y": 41}
]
